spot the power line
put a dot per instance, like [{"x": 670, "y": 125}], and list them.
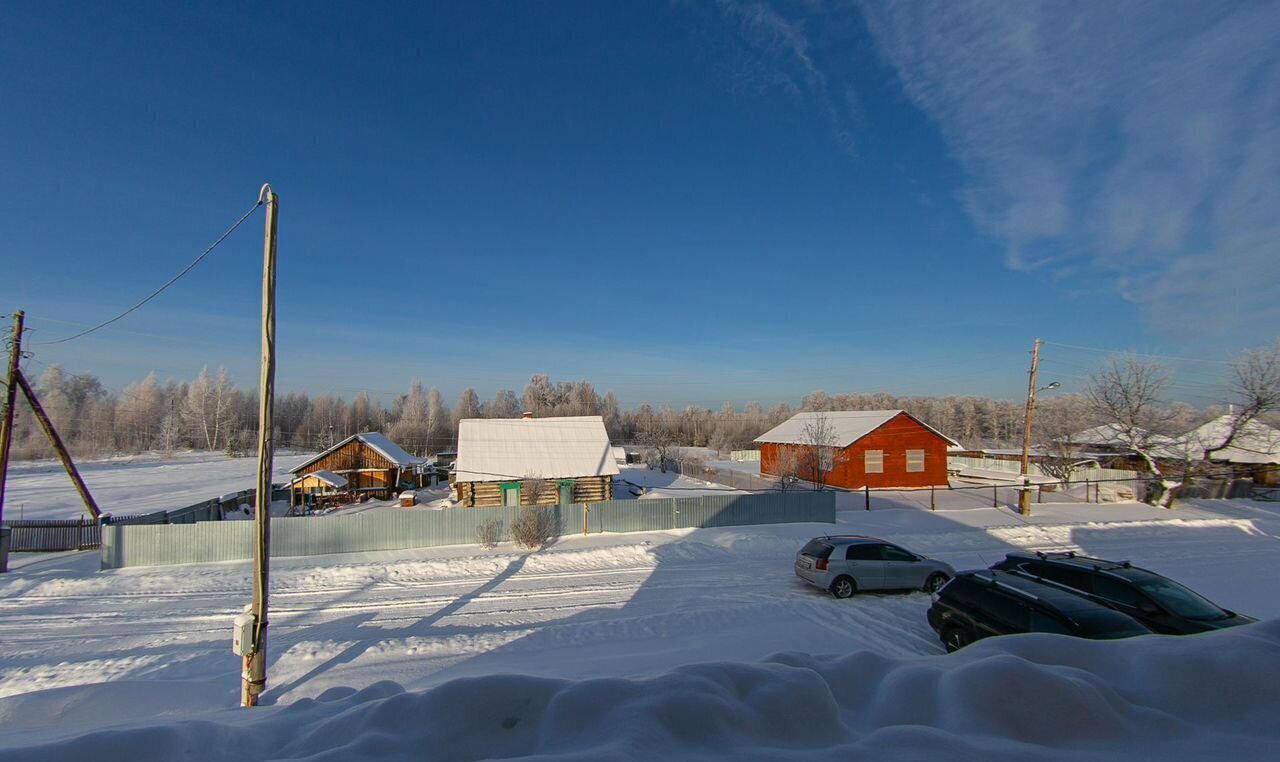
[
  {"x": 1138, "y": 354},
  {"x": 168, "y": 283}
]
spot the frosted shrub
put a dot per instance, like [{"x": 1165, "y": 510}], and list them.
[
  {"x": 489, "y": 533},
  {"x": 534, "y": 527}
]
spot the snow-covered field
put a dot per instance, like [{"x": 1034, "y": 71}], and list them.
[
  {"x": 40, "y": 489},
  {"x": 681, "y": 644}
]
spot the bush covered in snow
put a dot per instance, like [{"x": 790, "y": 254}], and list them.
[
  {"x": 489, "y": 533},
  {"x": 534, "y": 527}
]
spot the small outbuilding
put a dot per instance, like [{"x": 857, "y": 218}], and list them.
[
  {"x": 857, "y": 448},
  {"x": 369, "y": 462},
  {"x": 533, "y": 461}
]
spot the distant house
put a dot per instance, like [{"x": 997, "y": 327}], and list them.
[
  {"x": 875, "y": 448},
  {"x": 369, "y": 462},
  {"x": 523, "y": 461},
  {"x": 1255, "y": 452},
  {"x": 619, "y": 455},
  {"x": 1110, "y": 439}
]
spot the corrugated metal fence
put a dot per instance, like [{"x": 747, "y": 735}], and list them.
[
  {"x": 39, "y": 535},
  {"x": 152, "y": 545}
]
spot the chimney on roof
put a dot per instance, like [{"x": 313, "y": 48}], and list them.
[{"x": 527, "y": 415}]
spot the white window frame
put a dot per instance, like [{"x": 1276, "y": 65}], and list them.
[
  {"x": 872, "y": 465},
  {"x": 915, "y": 461}
]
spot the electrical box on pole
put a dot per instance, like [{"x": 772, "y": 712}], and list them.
[{"x": 242, "y": 634}]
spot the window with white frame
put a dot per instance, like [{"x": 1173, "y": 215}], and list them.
[
  {"x": 873, "y": 462},
  {"x": 915, "y": 460}
]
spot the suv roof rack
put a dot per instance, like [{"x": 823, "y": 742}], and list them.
[
  {"x": 1099, "y": 564},
  {"x": 993, "y": 582}
]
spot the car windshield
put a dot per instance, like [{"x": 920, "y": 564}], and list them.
[
  {"x": 816, "y": 549},
  {"x": 1178, "y": 599}
]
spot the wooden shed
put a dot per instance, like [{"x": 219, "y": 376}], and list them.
[
  {"x": 528, "y": 461},
  {"x": 865, "y": 448},
  {"x": 369, "y": 462}
]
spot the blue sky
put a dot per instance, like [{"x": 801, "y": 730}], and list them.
[{"x": 685, "y": 202}]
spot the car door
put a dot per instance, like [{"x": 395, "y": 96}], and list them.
[
  {"x": 864, "y": 562},
  {"x": 902, "y": 569},
  {"x": 1001, "y": 614}
]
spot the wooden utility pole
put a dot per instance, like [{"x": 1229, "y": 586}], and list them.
[
  {"x": 58, "y": 446},
  {"x": 1024, "y": 494},
  {"x": 254, "y": 679},
  {"x": 10, "y": 397}
]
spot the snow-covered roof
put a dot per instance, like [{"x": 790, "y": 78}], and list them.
[
  {"x": 1106, "y": 435},
  {"x": 847, "y": 426},
  {"x": 375, "y": 441},
  {"x": 328, "y": 477},
  {"x": 619, "y": 453},
  {"x": 1256, "y": 442},
  {"x": 497, "y": 449}
]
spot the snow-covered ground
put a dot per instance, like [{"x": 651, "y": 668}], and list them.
[
  {"x": 661, "y": 644},
  {"x": 659, "y": 484},
  {"x": 40, "y": 489}
]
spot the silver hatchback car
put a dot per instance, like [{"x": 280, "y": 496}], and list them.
[{"x": 846, "y": 564}]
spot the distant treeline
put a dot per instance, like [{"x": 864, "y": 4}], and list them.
[{"x": 211, "y": 413}]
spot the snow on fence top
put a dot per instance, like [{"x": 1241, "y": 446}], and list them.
[{"x": 495, "y": 449}]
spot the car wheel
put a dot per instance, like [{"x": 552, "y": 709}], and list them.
[
  {"x": 935, "y": 582},
  {"x": 843, "y": 587},
  {"x": 955, "y": 638}
]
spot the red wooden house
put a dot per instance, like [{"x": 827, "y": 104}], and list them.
[{"x": 862, "y": 448}]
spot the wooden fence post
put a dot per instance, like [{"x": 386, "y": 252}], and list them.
[
  {"x": 995, "y": 496},
  {"x": 933, "y": 506},
  {"x": 867, "y": 490}
]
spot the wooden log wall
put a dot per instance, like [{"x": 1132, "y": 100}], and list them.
[{"x": 586, "y": 489}]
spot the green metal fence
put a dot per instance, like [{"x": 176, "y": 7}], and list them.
[{"x": 159, "y": 544}]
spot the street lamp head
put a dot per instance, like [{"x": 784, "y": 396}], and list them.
[{"x": 1052, "y": 385}]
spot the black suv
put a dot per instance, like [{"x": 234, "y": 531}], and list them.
[
  {"x": 978, "y": 604},
  {"x": 1156, "y": 601}
]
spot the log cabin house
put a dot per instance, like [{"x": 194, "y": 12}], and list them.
[
  {"x": 533, "y": 461},
  {"x": 868, "y": 448},
  {"x": 369, "y": 462}
]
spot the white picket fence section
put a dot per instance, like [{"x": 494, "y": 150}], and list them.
[{"x": 961, "y": 462}]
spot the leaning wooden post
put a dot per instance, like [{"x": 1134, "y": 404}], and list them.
[
  {"x": 10, "y": 397},
  {"x": 254, "y": 679},
  {"x": 58, "y": 446}
]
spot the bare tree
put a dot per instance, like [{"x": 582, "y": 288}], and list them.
[
  {"x": 1126, "y": 394},
  {"x": 1056, "y": 421},
  {"x": 1255, "y": 392},
  {"x": 534, "y": 527},
  {"x": 535, "y": 491},
  {"x": 819, "y": 437},
  {"x": 662, "y": 448},
  {"x": 787, "y": 466}
]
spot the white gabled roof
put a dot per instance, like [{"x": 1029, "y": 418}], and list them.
[
  {"x": 328, "y": 477},
  {"x": 501, "y": 449},
  {"x": 375, "y": 441},
  {"x": 1112, "y": 435},
  {"x": 1256, "y": 443},
  {"x": 848, "y": 426}
]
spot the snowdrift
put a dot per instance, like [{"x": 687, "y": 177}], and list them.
[{"x": 1024, "y": 697}]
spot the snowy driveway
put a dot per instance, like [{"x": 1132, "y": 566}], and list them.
[{"x": 605, "y": 605}]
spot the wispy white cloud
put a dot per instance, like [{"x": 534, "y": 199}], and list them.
[
  {"x": 779, "y": 55},
  {"x": 1139, "y": 139}
]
